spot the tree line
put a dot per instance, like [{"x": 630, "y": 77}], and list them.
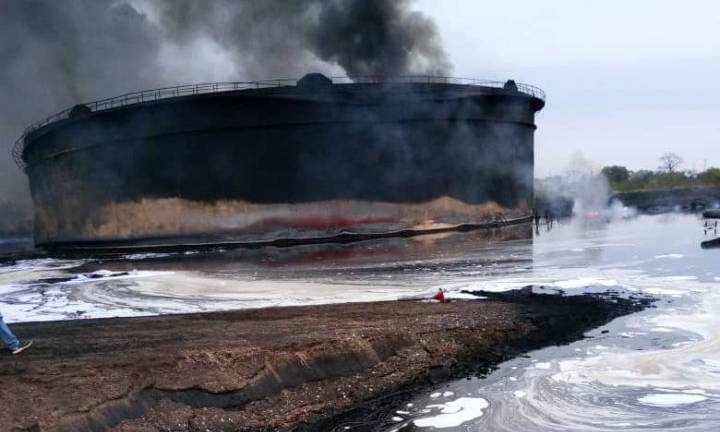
[{"x": 668, "y": 175}]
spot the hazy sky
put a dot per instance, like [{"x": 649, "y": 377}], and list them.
[{"x": 626, "y": 79}]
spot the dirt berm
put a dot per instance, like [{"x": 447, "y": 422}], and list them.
[{"x": 291, "y": 368}]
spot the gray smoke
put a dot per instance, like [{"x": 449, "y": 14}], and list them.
[{"x": 55, "y": 54}]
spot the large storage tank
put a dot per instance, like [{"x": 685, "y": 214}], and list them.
[{"x": 282, "y": 161}]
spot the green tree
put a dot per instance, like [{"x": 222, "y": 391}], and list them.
[
  {"x": 616, "y": 174},
  {"x": 710, "y": 176}
]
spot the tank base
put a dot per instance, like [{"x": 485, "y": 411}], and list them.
[{"x": 200, "y": 242}]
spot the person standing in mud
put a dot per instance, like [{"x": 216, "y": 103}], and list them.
[
  {"x": 10, "y": 340},
  {"x": 536, "y": 218},
  {"x": 548, "y": 219}
]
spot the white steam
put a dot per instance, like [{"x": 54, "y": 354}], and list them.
[{"x": 586, "y": 187}]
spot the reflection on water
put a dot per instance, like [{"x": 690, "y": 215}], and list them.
[{"x": 655, "y": 370}]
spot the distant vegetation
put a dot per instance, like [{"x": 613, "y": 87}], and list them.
[{"x": 667, "y": 176}]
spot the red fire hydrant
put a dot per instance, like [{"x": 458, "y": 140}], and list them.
[{"x": 440, "y": 296}]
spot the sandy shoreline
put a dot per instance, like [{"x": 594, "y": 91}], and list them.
[{"x": 289, "y": 368}]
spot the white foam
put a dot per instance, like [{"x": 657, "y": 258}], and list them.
[
  {"x": 104, "y": 293},
  {"x": 585, "y": 282},
  {"x": 672, "y": 256},
  {"x": 454, "y": 413},
  {"x": 600, "y": 347},
  {"x": 40, "y": 264},
  {"x": 519, "y": 394},
  {"x": 679, "y": 278},
  {"x": 692, "y": 363},
  {"x": 105, "y": 275},
  {"x": 149, "y": 255},
  {"x": 631, "y": 334},
  {"x": 694, "y": 391},
  {"x": 670, "y": 399},
  {"x": 24, "y": 302},
  {"x": 450, "y": 295},
  {"x": 665, "y": 291}
]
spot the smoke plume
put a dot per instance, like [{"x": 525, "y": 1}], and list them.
[
  {"x": 581, "y": 191},
  {"x": 59, "y": 53},
  {"x": 377, "y": 37},
  {"x": 276, "y": 38},
  {"x": 55, "y": 54}
]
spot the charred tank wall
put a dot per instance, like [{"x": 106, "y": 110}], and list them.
[{"x": 283, "y": 163}]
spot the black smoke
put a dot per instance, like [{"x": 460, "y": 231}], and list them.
[
  {"x": 275, "y": 38},
  {"x": 377, "y": 37},
  {"x": 55, "y": 54}
]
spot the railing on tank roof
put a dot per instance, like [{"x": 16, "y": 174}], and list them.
[
  {"x": 220, "y": 87},
  {"x": 433, "y": 79}
]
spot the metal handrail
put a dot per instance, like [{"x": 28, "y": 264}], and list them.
[
  {"x": 527, "y": 89},
  {"x": 220, "y": 87}
]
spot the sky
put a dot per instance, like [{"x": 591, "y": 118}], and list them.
[{"x": 625, "y": 80}]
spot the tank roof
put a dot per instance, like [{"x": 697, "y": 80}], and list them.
[{"x": 314, "y": 82}]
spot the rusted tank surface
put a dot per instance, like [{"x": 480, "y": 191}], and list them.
[{"x": 303, "y": 161}]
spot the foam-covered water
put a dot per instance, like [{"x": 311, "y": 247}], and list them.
[
  {"x": 200, "y": 281},
  {"x": 655, "y": 370}
]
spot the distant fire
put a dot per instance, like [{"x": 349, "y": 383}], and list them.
[{"x": 592, "y": 214}]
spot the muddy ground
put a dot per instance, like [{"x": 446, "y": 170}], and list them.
[{"x": 290, "y": 368}]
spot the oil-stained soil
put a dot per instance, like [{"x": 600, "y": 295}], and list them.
[{"x": 290, "y": 368}]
